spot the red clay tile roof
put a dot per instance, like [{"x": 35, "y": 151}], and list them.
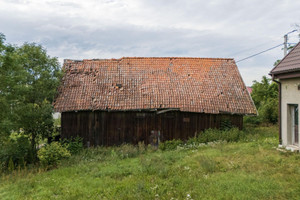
[
  {"x": 204, "y": 85},
  {"x": 290, "y": 63},
  {"x": 249, "y": 89}
]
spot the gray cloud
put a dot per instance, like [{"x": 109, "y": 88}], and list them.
[{"x": 108, "y": 28}]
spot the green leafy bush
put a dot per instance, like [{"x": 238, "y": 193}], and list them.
[
  {"x": 170, "y": 144},
  {"x": 15, "y": 151},
  {"x": 210, "y": 135},
  {"x": 74, "y": 145},
  {"x": 51, "y": 155},
  {"x": 226, "y": 124},
  {"x": 252, "y": 120}
]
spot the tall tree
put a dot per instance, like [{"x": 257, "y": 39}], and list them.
[
  {"x": 29, "y": 78},
  {"x": 265, "y": 97}
]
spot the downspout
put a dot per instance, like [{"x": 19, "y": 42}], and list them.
[{"x": 279, "y": 108}]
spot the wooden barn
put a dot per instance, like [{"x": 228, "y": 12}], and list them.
[{"x": 132, "y": 99}]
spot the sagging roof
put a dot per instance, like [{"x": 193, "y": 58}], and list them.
[
  {"x": 290, "y": 63},
  {"x": 203, "y": 85}
]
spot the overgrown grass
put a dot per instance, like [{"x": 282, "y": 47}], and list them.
[{"x": 249, "y": 169}]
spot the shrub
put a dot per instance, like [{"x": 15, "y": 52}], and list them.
[
  {"x": 170, "y": 144},
  {"x": 226, "y": 124},
  {"x": 210, "y": 135},
  {"x": 127, "y": 151},
  {"x": 15, "y": 151},
  {"x": 252, "y": 120},
  {"x": 74, "y": 145},
  {"x": 233, "y": 135},
  {"x": 50, "y": 155}
]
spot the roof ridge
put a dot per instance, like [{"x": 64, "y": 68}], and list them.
[{"x": 119, "y": 59}]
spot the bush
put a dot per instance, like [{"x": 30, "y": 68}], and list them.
[
  {"x": 233, "y": 135},
  {"x": 15, "y": 151},
  {"x": 127, "y": 151},
  {"x": 74, "y": 145},
  {"x": 210, "y": 135},
  {"x": 252, "y": 120},
  {"x": 170, "y": 144},
  {"x": 226, "y": 124},
  {"x": 50, "y": 155}
]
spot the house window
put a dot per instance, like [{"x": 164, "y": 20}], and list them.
[{"x": 293, "y": 124}]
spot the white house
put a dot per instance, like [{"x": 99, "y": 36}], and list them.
[{"x": 287, "y": 75}]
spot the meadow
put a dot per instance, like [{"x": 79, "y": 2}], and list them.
[{"x": 252, "y": 168}]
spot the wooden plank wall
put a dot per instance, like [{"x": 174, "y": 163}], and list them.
[{"x": 115, "y": 128}]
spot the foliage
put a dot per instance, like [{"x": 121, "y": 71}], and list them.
[
  {"x": 241, "y": 170},
  {"x": 226, "y": 124},
  {"x": 28, "y": 81},
  {"x": 51, "y": 154},
  {"x": 74, "y": 145},
  {"x": 16, "y": 151},
  {"x": 210, "y": 135},
  {"x": 170, "y": 144},
  {"x": 127, "y": 151},
  {"x": 265, "y": 97}
]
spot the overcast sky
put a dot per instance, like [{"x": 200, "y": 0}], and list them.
[{"x": 190, "y": 28}]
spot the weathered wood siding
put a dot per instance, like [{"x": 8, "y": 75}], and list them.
[{"x": 115, "y": 128}]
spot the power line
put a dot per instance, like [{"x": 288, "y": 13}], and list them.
[
  {"x": 260, "y": 53},
  {"x": 249, "y": 49}
]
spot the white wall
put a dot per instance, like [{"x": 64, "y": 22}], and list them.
[{"x": 290, "y": 95}]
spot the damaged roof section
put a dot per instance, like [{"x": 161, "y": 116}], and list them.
[{"x": 203, "y": 85}]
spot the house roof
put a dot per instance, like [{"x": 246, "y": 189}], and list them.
[
  {"x": 203, "y": 85},
  {"x": 290, "y": 63},
  {"x": 249, "y": 89}
]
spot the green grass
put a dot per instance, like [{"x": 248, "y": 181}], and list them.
[{"x": 250, "y": 169}]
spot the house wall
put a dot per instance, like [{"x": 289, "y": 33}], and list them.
[
  {"x": 115, "y": 128},
  {"x": 289, "y": 95}
]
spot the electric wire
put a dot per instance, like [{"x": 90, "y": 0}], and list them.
[
  {"x": 259, "y": 53},
  {"x": 268, "y": 49}
]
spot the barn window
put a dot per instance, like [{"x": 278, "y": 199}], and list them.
[{"x": 186, "y": 119}]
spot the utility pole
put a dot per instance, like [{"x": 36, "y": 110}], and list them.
[{"x": 285, "y": 44}]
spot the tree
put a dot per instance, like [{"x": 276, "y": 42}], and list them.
[
  {"x": 265, "y": 97},
  {"x": 28, "y": 81}
]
